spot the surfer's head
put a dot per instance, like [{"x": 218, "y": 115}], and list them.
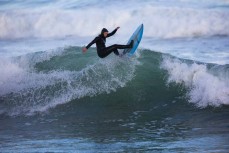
[{"x": 104, "y": 32}]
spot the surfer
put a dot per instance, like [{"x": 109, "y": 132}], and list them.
[{"x": 100, "y": 41}]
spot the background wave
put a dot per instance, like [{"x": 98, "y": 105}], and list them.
[{"x": 77, "y": 19}]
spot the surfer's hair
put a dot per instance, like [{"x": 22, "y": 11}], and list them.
[{"x": 104, "y": 30}]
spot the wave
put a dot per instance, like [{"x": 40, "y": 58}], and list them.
[
  {"x": 66, "y": 75},
  {"x": 37, "y": 88},
  {"x": 160, "y": 21},
  {"x": 206, "y": 88}
]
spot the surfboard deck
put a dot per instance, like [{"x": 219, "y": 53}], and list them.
[{"x": 136, "y": 37}]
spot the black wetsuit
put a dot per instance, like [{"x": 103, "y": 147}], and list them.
[{"x": 104, "y": 51}]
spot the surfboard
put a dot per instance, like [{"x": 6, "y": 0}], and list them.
[{"x": 136, "y": 37}]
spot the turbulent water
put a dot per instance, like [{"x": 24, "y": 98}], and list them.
[{"x": 171, "y": 96}]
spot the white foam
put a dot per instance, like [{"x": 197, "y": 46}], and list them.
[
  {"x": 29, "y": 91},
  {"x": 159, "y": 21},
  {"x": 16, "y": 72},
  {"x": 204, "y": 88},
  {"x": 8, "y": 71}
]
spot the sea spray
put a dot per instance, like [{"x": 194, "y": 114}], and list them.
[
  {"x": 31, "y": 91},
  {"x": 204, "y": 88}
]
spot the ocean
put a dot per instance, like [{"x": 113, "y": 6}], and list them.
[{"x": 172, "y": 95}]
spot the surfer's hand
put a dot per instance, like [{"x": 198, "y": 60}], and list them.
[
  {"x": 117, "y": 28},
  {"x": 84, "y": 49}
]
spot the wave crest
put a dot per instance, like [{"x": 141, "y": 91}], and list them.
[
  {"x": 205, "y": 88},
  {"x": 163, "y": 22}
]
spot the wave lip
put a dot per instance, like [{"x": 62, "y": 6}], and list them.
[{"x": 205, "y": 88}]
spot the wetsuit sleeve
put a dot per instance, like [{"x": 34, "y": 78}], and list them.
[
  {"x": 92, "y": 42},
  {"x": 112, "y": 33}
]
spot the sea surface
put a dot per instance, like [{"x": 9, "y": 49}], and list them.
[{"x": 171, "y": 96}]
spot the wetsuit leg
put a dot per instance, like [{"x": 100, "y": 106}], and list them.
[{"x": 113, "y": 48}]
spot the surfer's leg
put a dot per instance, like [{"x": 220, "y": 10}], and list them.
[
  {"x": 111, "y": 49},
  {"x": 114, "y": 48},
  {"x": 117, "y": 46},
  {"x": 106, "y": 51}
]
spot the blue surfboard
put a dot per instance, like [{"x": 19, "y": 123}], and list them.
[{"x": 136, "y": 37}]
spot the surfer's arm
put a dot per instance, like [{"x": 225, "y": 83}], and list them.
[
  {"x": 113, "y": 32},
  {"x": 84, "y": 49},
  {"x": 91, "y": 43}
]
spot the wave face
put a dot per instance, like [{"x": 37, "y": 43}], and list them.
[
  {"x": 52, "y": 79},
  {"x": 39, "y": 81},
  {"x": 74, "y": 18}
]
